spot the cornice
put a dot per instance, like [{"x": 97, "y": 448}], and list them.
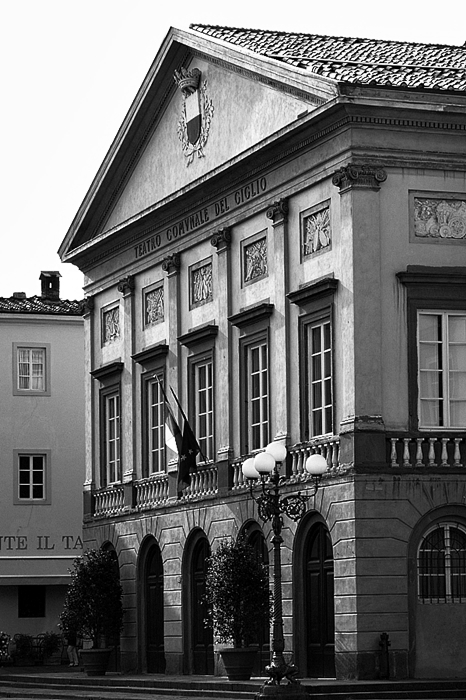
[
  {"x": 251, "y": 314},
  {"x": 315, "y": 290},
  {"x": 198, "y": 335},
  {"x": 107, "y": 370},
  {"x": 154, "y": 352}
]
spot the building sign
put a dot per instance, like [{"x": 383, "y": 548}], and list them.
[
  {"x": 201, "y": 217},
  {"x": 43, "y": 543}
]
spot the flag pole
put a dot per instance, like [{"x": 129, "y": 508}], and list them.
[{"x": 186, "y": 420}]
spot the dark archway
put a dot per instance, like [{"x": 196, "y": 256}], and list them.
[
  {"x": 255, "y": 537},
  {"x": 114, "y": 661},
  {"x": 199, "y": 652},
  {"x": 154, "y": 611},
  {"x": 314, "y": 610}
]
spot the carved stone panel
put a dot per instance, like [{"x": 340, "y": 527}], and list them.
[
  {"x": 110, "y": 324},
  {"x": 316, "y": 230},
  {"x": 201, "y": 291},
  {"x": 254, "y": 258},
  {"x": 154, "y": 311},
  {"x": 439, "y": 219}
]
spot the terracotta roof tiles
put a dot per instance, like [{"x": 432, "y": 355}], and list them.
[
  {"x": 37, "y": 305},
  {"x": 355, "y": 60}
]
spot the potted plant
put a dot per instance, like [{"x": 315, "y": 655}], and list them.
[
  {"x": 51, "y": 647},
  {"x": 238, "y": 600},
  {"x": 93, "y": 607},
  {"x": 24, "y": 653}
]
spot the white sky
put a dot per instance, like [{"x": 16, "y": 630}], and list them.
[{"x": 69, "y": 70}]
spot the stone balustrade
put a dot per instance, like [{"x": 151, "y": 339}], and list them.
[{"x": 429, "y": 451}]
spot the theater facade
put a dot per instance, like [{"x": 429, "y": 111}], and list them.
[{"x": 278, "y": 234}]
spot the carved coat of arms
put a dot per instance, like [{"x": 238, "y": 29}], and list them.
[{"x": 196, "y": 116}]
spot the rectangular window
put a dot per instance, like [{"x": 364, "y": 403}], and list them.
[
  {"x": 31, "y": 477},
  {"x": 204, "y": 408},
  {"x": 257, "y": 394},
  {"x": 112, "y": 437},
  {"x": 318, "y": 352},
  {"x": 442, "y": 369},
  {"x": 31, "y": 601},
  {"x": 155, "y": 426},
  {"x": 31, "y": 369}
]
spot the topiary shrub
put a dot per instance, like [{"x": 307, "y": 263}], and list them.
[
  {"x": 237, "y": 593},
  {"x": 93, "y": 604}
]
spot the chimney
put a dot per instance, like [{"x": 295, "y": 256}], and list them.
[
  {"x": 50, "y": 285},
  {"x": 19, "y": 295}
]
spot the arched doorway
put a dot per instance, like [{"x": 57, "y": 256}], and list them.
[
  {"x": 255, "y": 537},
  {"x": 438, "y": 595},
  {"x": 202, "y": 642},
  {"x": 114, "y": 660},
  {"x": 318, "y": 603},
  {"x": 154, "y": 611}
]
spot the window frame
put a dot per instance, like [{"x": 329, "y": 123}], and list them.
[
  {"x": 207, "y": 441},
  {"x": 45, "y": 455},
  {"x": 307, "y": 322},
  {"x": 444, "y": 368},
  {"x": 248, "y": 343},
  {"x": 106, "y": 394},
  {"x": 46, "y": 347},
  {"x": 448, "y": 597},
  {"x": 434, "y": 289},
  {"x": 150, "y": 380}
]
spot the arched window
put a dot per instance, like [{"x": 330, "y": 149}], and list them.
[{"x": 442, "y": 564}]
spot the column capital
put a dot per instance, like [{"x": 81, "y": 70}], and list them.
[
  {"x": 172, "y": 263},
  {"x": 126, "y": 285},
  {"x": 221, "y": 239},
  {"x": 86, "y": 306},
  {"x": 353, "y": 176},
  {"x": 278, "y": 211}
]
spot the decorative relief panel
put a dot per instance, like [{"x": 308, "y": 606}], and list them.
[
  {"x": 439, "y": 218},
  {"x": 154, "y": 306},
  {"x": 201, "y": 283},
  {"x": 316, "y": 230},
  {"x": 111, "y": 325},
  {"x": 255, "y": 264}
]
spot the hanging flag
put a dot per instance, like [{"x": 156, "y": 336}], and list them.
[
  {"x": 187, "y": 458},
  {"x": 173, "y": 437}
]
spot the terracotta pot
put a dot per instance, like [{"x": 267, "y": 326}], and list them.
[
  {"x": 95, "y": 661},
  {"x": 239, "y": 662}
]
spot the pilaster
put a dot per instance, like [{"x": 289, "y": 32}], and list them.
[
  {"x": 221, "y": 240},
  {"x": 126, "y": 288},
  {"x": 278, "y": 215},
  {"x": 171, "y": 265},
  {"x": 87, "y": 311}
]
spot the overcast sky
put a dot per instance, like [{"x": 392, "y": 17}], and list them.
[{"x": 71, "y": 68}]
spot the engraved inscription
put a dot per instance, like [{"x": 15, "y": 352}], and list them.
[{"x": 439, "y": 218}]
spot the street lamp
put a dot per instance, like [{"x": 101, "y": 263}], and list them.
[{"x": 265, "y": 467}]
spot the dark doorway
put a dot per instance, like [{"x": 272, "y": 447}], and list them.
[
  {"x": 202, "y": 636},
  {"x": 257, "y": 540},
  {"x": 319, "y": 606},
  {"x": 155, "y": 653}
]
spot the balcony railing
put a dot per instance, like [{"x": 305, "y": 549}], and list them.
[
  {"x": 430, "y": 451},
  {"x": 151, "y": 492},
  {"x": 328, "y": 447},
  {"x": 110, "y": 501},
  {"x": 203, "y": 482}
]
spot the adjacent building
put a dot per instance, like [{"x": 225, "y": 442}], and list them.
[
  {"x": 278, "y": 234},
  {"x": 42, "y": 454}
]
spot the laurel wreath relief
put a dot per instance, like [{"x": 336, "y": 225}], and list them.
[{"x": 207, "y": 111}]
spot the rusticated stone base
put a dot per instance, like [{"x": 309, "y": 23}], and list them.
[{"x": 282, "y": 692}]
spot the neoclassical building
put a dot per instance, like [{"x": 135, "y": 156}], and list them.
[{"x": 278, "y": 234}]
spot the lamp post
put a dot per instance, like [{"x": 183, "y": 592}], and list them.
[{"x": 265, "y": 468}]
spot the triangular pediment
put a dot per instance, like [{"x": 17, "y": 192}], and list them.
[{"x": 176, "y": 134}]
